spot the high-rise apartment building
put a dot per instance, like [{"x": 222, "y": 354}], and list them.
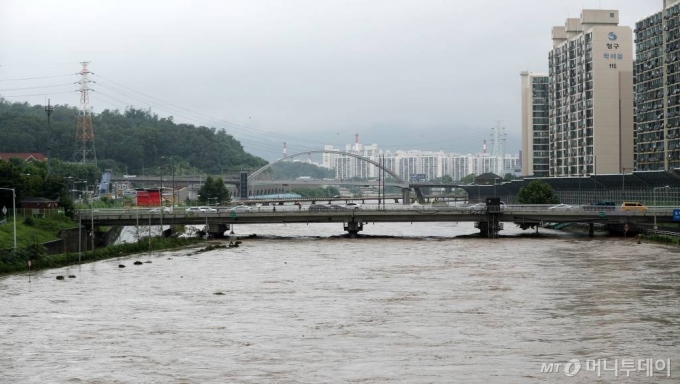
[
  {"x": 657, "y": 89},
  {"x": 416, "y": 164},
  {"x": 535, "y": 134},
  {"x": 591, "y": 96}
]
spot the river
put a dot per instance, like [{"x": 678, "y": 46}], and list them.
[{"x": 406, "y": 303}]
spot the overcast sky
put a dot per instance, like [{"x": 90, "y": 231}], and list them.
[{"x": 426, "y": 74}]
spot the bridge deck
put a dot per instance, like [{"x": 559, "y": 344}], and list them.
[{"x": 289, "y": 214}]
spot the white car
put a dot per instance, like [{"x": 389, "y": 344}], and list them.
[
  {"x": 352, "y": 206},
  {"x": 240, "y": 208},
  {"x": 193, "y": 210},
  {"x": 561, "y": 207},
  {"x": 158, "y": 210},
  {"x": 200, "y": 210},
  {"x": 479, "y": 207}
]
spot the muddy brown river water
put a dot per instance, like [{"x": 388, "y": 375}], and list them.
[{"x": 421, "y": 303}]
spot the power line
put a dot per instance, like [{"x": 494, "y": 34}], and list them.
[
  {"x": 38, "y": 94},
  {"x": 202, "y": 119},
  {"x": 37, "y": 78},
  {"x": 256, "y": 142},
  {"x": 36, "y": 87},
  {"x": 215, "y": 120}
]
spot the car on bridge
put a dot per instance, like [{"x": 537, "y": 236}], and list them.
[
  {"x": 200, "y": 210},
  {"x": 479, "y": 207},
  {"x": 561, "y": 207},
  {"x": 633, "y": 206},
  {"x": 240, "y": 208},
  {"x": 159, "y": 210},
  {"x": 352, "y": 205},
  {"x": 600, "y": 206}
]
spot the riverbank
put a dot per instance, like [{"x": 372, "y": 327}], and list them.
[
  {"x": 657, "y": 238},
  {"x": 661, "y": 239},
  {"x": 31, "y": 230},
  {"x": 18, "y": 261}
]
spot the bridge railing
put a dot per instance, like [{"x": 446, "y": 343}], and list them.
[{"x": 508, "y": 209}]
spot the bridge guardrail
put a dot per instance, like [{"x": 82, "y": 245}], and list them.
[{"x": 508, "y": 209}]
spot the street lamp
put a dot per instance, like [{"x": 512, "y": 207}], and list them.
[
  {"x": 14, "y": 207},
  {"x": 172, "y": 161},
  {"x": 654, "y": 190},
  {"x": 623, "y": 182},
  {"x": 80, "y": 224}
]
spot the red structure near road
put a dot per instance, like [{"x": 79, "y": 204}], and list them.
[{"x": 148, "y": 197}]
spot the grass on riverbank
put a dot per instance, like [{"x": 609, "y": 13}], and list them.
[
  {"x": 16, "y": 262},
  {"x": 662, "y": 239},
  {"x": 32, "y": 230}
]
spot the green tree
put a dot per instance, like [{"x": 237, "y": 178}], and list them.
[
  {"x": 537, "y": 192},
  {"x": 509, "y": 177},
  {"x": 468, "y": 179},
  {"x": 214, "y": 190}
]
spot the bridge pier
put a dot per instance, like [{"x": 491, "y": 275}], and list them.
[
  {"x": 353, "y": 228},
  {"x": 419, "y": 195},
  {"x": 591, "y": 229},
  {"x": 490, "y": 227},
  {"x": 216, "y": 231},
  {"x": 406, "y": 196}
]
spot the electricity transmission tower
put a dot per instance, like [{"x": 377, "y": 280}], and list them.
[{"x": 84, "y": 152}]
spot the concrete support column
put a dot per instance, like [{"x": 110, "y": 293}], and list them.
[
  {"x": 353, "y": 228},
  {"x": 591, "y": 229},
  {"x": 406, "y": 195}
]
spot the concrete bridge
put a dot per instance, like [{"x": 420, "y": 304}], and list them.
[{"x": 488, "y": 221}]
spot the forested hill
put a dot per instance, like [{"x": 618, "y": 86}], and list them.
[{"x": 136, "y": 138}]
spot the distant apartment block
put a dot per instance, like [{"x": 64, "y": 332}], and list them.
[
  {"x": 535, "y": 132},
  {"x": 657, "y": 89},
  {"x": 415, "y": 164},
  {"x": 591, "y": 96}
]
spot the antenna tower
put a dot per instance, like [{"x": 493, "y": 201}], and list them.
[{"x": 84, "y": 152}]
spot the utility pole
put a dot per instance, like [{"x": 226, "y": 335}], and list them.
[
  {"x": 379, "y": 179},
  {"x": 173, "y": 182},
  {"x": 383, "y": 181},
  {"x": 48, "y": 110}
]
